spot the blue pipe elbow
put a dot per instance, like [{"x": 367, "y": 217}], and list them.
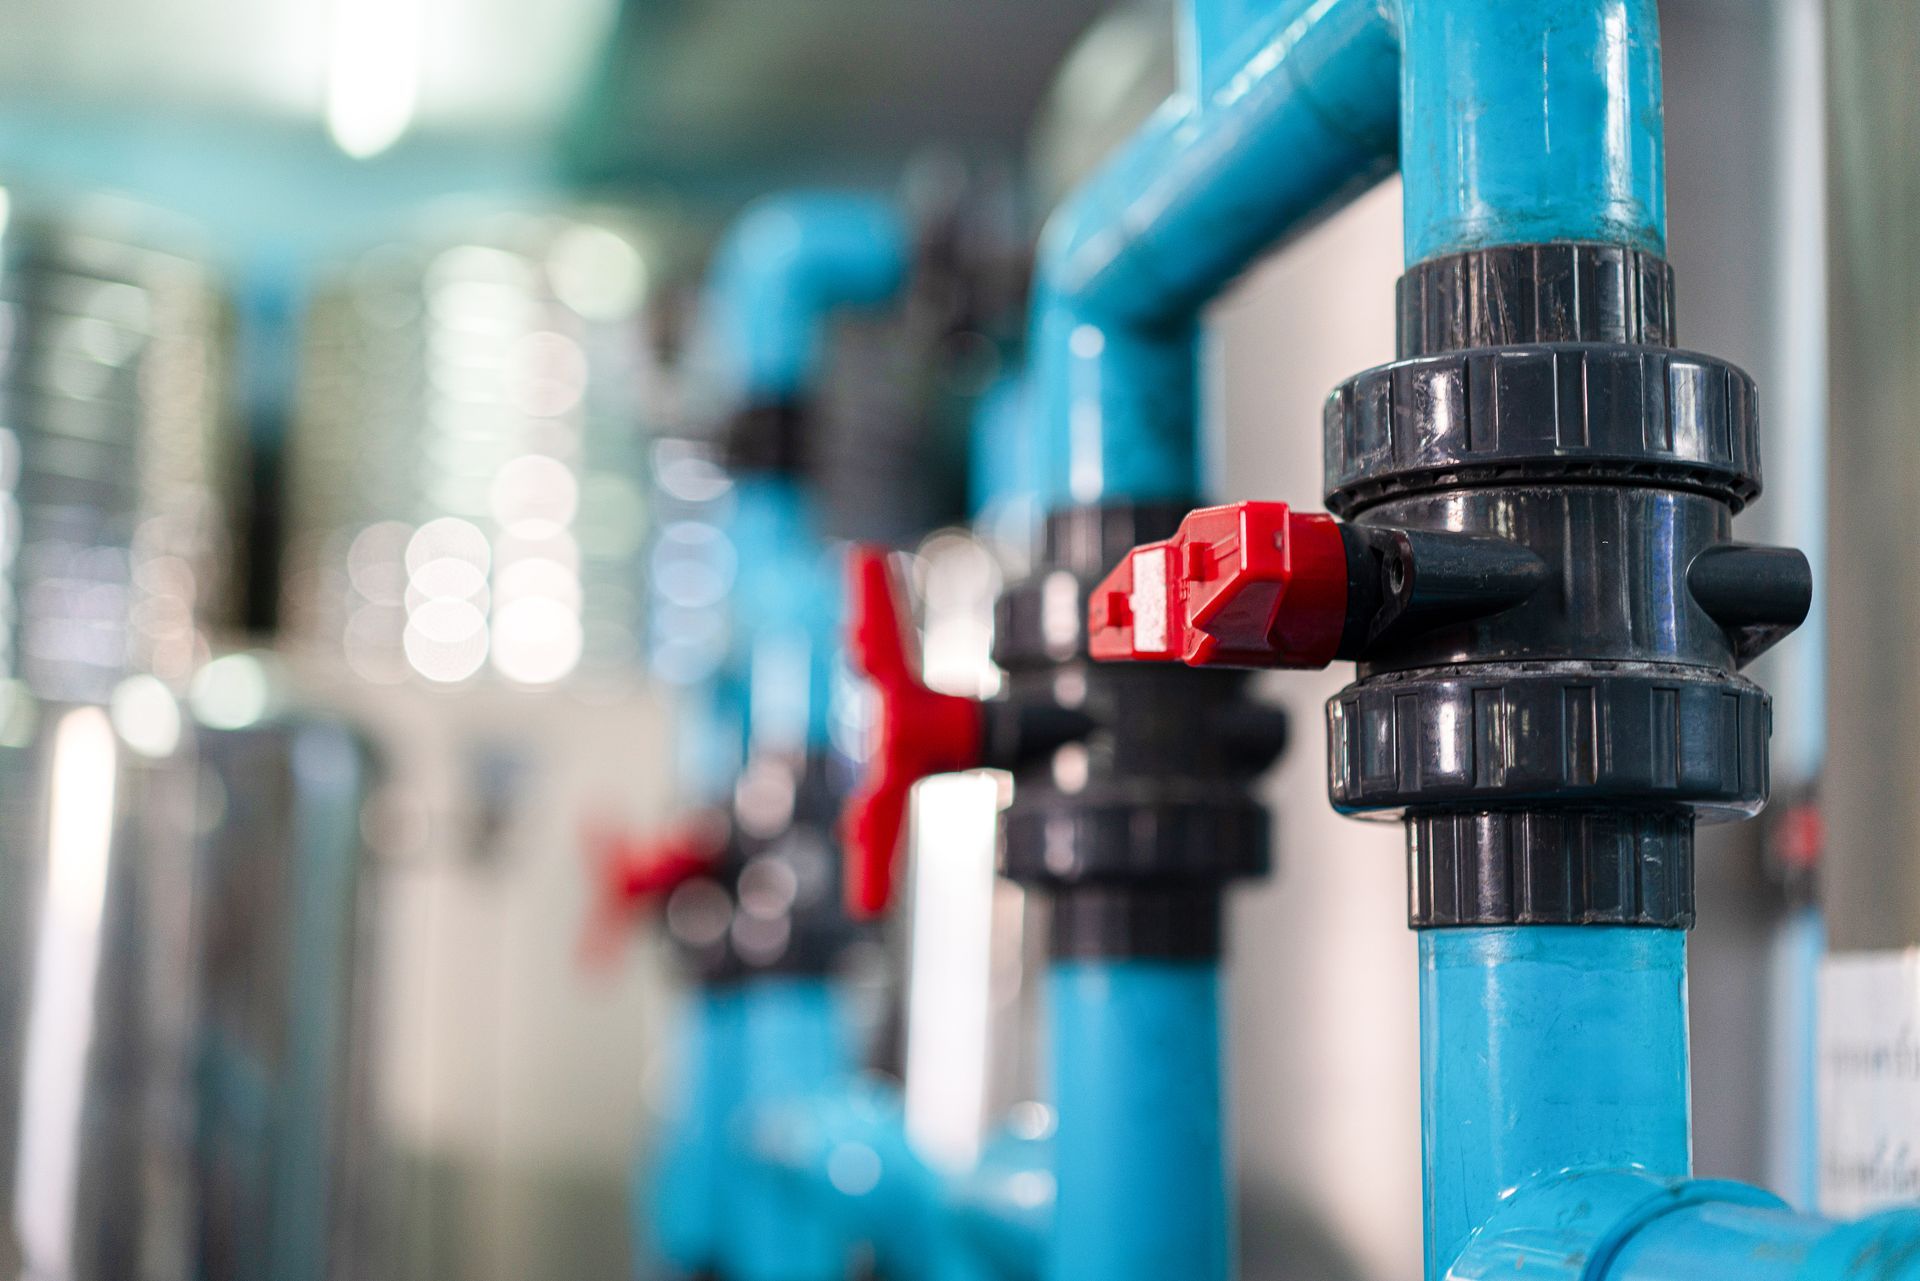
[
  {"x": 1513, "y": 122},
  {"x": 1245, "y": 154},
  {"x": 846, "y": 1156},
  {"x": 1545, "y": 1048},
  {"x": 788, "y": 263},
  {"x": 1626, "y": 1225}
]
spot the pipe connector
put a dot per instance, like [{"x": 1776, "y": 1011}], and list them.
[
  {"x": 1535, "y": 573},
  {"x": 1628, "y": 1225}
]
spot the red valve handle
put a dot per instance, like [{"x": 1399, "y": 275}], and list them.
[
  {"x": 633, "y": 873},
  {"x": 1245, "y": 585},
  {"x": 918, "y": 732}
]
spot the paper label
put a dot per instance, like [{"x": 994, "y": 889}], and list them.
[{"x": 1869, "y": 1081}]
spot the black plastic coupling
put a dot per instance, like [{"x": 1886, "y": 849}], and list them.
[
  {"x": 1133, "y": 802},
  {"x": 766, "y": 438},
  {"x": 1561, "y": 705}
]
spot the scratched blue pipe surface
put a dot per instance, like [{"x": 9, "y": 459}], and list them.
[
  {"x": 787, "y": 264},
  {"x": 1531, "y": 120},
  {"x": 793, "y": 1043},
  {"x": 1546, "y": 1048},
  {"x": 1142, "y": 1173}
]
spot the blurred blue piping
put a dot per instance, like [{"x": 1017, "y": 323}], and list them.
[
  {"x": 785, "y": 267},
  {"x": 788, "y": 263},
  {"x": 1248, "y": 151}
]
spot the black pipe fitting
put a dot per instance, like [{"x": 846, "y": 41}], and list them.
[
  {"x": 1551, "y": 622},
  {"x": 1133, "y": 800}
]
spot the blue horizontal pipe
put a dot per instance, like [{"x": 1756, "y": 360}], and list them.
[
  {"x": 1253, "y": 147},
  {"x": 1142, "y": 1171},
  {"x": 787, "y": 264},
  {"x": 1628, "y": 1225},
  {"x": 1542, "y": 1049},
  {"x": 846, "y": 1153},
  {"x": 1525, "y": 121}
]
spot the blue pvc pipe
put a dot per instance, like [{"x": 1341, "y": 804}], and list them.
[
  {"x": 1525, "y": 121},
  {"x": 1288, "y": 106},
  {"x": 846, "y": 1152},
  {"x": 786, "y": 265},
  {"x": 682, "y": 1203},
  {"x": 1628, "y": 1225},
  {"x": 785, "y": 615},
  {"x": 1514, "y": 121},
  {"x": 1542, "y": 1049},
  {"x": 1142, "y": 1173},
  {"x": 793, "y": 1044}
]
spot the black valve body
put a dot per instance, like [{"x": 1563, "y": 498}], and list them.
[{"x": 1551, "y": 753}]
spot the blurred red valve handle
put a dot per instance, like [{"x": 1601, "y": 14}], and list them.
[
  {"x": 1244, "y": 585},
  {"x": 917, "y": 732},
  {"x": 632, "y": 874}
]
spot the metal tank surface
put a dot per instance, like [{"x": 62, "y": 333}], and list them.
[
  {"x": 465, "y": 563},
  {"x": 112, "y": 559},
  {"x": 466, "y": 464},
  {"x": 288, "y": 1166}
]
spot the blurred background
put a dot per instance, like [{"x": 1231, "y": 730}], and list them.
[{"x": 338, "y": 340}]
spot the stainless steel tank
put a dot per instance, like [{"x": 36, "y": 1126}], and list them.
[
  {"x": 111, "y": 562},
  {"x": 466, "y": 463},
  {"x": 464, "y": 573}
]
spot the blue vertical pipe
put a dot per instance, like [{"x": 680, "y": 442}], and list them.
[
  {"x": 1288, "y": 107},
  {"x": 1546, "y": 1048},
  {"x": 1142, "y": 1174},
  {"x": 785, "y": 614},
  {"x": 793, "y": 1044},
  {"x": 681, "y": 1185},
  {"x": 1525, "y": 121}
]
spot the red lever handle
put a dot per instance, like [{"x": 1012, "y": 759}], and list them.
[
  {"x": 1245, "y": 585},
  {"x": 633, "y": 873},
  {"x": 918, "y": 732}
]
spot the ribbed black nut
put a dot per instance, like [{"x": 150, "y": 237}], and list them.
[
  {"x": 1135, "y": 832},
  {"x": 1560, "y": 736},
  {"x": 1041, "y": 620},
  {"x": 767, "y": 437},
  {"x": 1172, "y": 922},
  {"x": 1555, "y": 413},
  {"x": 1554, "y": 867},
  {"x": 1524, "y": 294}
]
